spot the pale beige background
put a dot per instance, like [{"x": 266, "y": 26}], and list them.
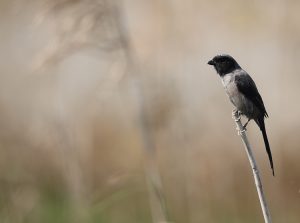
[{"x": 69, "y": 126}]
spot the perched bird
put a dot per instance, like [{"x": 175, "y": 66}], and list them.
[{"x": 243, "y": 94}]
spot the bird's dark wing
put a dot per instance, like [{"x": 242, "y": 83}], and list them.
[{"x": 247, "y": 87}]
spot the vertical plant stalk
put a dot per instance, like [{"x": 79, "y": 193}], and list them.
[
  {"x": 134, "y": 72},
  {"x": 257, "y": 180}
]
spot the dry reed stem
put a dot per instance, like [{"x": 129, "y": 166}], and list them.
[{"x": 257, "y": 180}]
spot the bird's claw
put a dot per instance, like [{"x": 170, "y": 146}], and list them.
[
  {"x": 236, "y": 115},
  {"x": 240, "y": 132},
  {"x": 234, "y": 111}
]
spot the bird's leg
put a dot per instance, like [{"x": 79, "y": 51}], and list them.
[
  {"x": 245, "y": 125},
  {"x": 236, "y": 115}
]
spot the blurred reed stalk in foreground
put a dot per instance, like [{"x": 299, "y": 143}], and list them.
[
  {"x": 157, "y": 198},
  {"x": 257, "y": 180}
]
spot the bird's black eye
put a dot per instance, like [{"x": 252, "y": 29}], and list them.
[
  {"x": 225, "y": 61},
  {"x": 221, "y": 60}
]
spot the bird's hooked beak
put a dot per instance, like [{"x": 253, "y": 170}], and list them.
[{"x": 211, "y": 62}]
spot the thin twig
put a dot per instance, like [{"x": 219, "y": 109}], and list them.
[{"x": 258, "y": 184}]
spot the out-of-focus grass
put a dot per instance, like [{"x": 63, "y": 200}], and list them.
[{"x": 125, "y": 205}]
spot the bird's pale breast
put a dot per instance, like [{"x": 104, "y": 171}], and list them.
[{"x": 237, "y": 99}]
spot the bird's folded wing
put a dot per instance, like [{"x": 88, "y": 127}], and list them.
[{"x": 247, "y": 87}]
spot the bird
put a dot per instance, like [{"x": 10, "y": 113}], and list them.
[{"x": 243, "y": 94}]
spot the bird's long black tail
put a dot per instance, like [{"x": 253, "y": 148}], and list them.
[{"x": 261, "y": 124}]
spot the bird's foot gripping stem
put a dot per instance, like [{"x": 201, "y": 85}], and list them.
[
  {"x": 240, "y": 132},
  {"x": 236, "y": 115}
]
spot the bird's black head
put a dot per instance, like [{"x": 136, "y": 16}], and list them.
[{"x": 224, "y": 64}]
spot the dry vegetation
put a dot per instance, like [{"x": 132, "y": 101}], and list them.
[{"x": 71, "y": 117}]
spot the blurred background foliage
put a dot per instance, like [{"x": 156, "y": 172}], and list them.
[{"x": 80, "y": 80}]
